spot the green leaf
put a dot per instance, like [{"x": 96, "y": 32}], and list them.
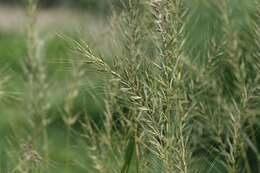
[{"x": 128, "y": 155}]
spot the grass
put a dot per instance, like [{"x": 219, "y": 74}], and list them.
[
  {"x": 173, "y": 90},
  {"x": 14, "y": 117}
]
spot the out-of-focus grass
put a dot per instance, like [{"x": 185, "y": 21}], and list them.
[
  {"x": 13, "y": 53},
  {"x": 57, "y": 53},
  {"x": 13, "y": 50},
  {"x": 12, "y": 58}
]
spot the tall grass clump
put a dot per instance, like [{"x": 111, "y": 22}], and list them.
[
  {"x": 181, "y": 93},
  {"x": 184, "y": 94}
]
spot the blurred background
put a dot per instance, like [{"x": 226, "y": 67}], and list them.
[
  {"x": 94, "y": 5},
  {"x": 57, "y": 12},
  {"x": 89, "y": 20}
]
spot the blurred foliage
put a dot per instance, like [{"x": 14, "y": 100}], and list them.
[
  {"x": 57, "y": 53},
  {"x": 91, "y": 5}
]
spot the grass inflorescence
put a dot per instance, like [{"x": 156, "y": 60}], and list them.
[{"x": 179, "y": 94}]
